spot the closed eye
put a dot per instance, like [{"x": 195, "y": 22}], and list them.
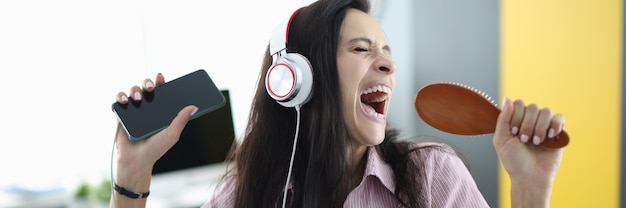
[
  {"x": 370, "y": 44},
  {"x": 359, "y": 49}
]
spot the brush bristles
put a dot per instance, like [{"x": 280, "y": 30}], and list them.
[{"x": 485, "y": 95}]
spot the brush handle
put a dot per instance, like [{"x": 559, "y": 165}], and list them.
[{"x": 560, "y": 140}]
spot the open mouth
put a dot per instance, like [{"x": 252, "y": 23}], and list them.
[{"x": 374, "y": 99}]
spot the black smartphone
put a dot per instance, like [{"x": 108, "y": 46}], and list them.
[{"x": 157, "y": 109}]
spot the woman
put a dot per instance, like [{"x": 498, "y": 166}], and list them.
[{"x": 346, "y": 156}]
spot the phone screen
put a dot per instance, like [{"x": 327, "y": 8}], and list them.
[{"x": 158, "y": 108}]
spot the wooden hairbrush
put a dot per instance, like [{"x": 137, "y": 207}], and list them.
[{"x": 458, "y": 109}]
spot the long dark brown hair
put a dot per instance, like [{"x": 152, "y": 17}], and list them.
[{"x": 320, "y": 174}]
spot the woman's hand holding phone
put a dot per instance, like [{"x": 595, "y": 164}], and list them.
[{"x": 136, "y": 159}]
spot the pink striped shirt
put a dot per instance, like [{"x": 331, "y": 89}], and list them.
[{"x": 446, "y": 183}]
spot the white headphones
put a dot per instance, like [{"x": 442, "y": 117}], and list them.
[{"x": 290, "y": 78}]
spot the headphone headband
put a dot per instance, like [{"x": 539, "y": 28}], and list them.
[{"x": 280, "y": 35}]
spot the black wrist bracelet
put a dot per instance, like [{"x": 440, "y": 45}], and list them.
[{"x": 129, "y": 194}]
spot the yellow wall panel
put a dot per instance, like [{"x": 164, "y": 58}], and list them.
[{"x": 567, "y": 55}]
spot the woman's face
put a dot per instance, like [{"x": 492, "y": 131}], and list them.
[{"x": 366, "y": 77}]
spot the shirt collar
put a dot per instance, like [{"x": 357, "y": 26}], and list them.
[{"x": 378, "y": 168}]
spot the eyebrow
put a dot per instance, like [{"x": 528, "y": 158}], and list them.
[{"x": 368, "y": 41}]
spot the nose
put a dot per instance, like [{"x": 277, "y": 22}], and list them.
[{"x": 386, "y": 65}]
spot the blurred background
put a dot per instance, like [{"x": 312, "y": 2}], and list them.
[{"x": 62, "y": 62}]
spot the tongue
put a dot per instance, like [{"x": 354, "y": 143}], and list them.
[{"x": 368, "y": 108}]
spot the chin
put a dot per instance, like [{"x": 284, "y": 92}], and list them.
[{"x": 371, "y": 138}]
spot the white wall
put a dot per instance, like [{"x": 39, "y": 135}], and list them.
[{"x": 62, "y": 62}]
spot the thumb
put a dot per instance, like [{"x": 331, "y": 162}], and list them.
[
  {"x": 170, "y": 135},
  {"x": 503, "y": 124},
  {"x": 173, "y": 131},
  {"x": 180, "y": 121}
]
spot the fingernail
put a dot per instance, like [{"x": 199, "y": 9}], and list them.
[
  {"x": 149, "y": 85},
  {"x": 124, "y": 98},
  {"x": 137, "y": 96},
  {"x": 551, "y": 133},
  {"x": 194, "y": 111},
  {"x": 524, "y": 138},
  {"x": 514, "y": 130},
  {"x": 536, "y": 140},
  {"x": 505, "y": 100}
]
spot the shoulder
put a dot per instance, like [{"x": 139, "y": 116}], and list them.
[
  {"x": 431, "y": 146},
  {"x": 446, "y": 180},
  {"x": 438, "y": 160},
  {"x": 423, "y": 151}
]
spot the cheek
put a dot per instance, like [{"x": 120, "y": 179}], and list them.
[
  {"x": 350, "y": 75},
  {"x": 349, "y": 83},
  {"x": 351, "y": 65},
  {"x": 350, "y": 71},
  {"x": 346, "y": 80}
]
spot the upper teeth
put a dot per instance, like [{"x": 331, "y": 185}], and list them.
[{"x": 378, "y": 88}]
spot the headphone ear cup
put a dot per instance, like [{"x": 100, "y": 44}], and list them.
[{"x": 289, "y": 81}]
